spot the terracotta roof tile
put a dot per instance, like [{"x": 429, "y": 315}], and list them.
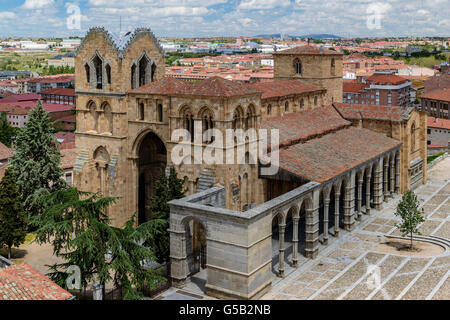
[
  {"x": 166, "y": 86},
  {"x": 59, "y": 91},
  {"x": 308, "y": 50},
  {"x": 334, "y": 154},
  {"x": 218, "y": 87},
  {"x": 281, "y": 88},
  {"x": 369, "y": 111},
  {"x": 386, "y": 79},
  {"x": 356, "y": 87},
  {"x": 438, "y": 123},
  {"x": 22, "y": 282},
  {"x": 305, "y": 125},
  {"x": 439, "y": 94},
  {"x": 5, "y": 152}
]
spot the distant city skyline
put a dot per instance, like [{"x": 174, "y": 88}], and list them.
[{"x": 201, "y": 18}]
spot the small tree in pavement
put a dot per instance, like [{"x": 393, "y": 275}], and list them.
[{"x": 408, "y": 210}]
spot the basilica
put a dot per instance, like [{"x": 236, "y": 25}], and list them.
[{"x": 337, "y": 162}]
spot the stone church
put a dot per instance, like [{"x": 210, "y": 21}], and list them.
[{"x": 337, "y": 162}]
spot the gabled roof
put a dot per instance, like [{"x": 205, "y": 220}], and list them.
[
  {"x": 386, "y": 79},
  {"x": 334, "y": 154},
  {"x": 305, "y": 125},
  {"x": 5, "y": 152},
  {"x": 165, "y": 86},
  {"x": 308, "y": 50},
  {"x": 22, "y": 282},
  {"x": 219, "y": 87},
  {"x": 372, "y": 112},
  {"x": 121, "y": 43},
  {"x": 281, "y": 88},
  {"x": 439, "y": 94}
]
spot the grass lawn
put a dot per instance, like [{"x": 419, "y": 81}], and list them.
[{"x": 430, "y": 159}]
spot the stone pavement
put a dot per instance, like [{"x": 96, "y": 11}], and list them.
[{"x": 351, "y": 267}]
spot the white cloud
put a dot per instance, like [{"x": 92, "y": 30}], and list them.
[
  {"x": 262, "y": 4},
  {"x": 37, "y": 4},
  {"x": 7, "y": 15}
]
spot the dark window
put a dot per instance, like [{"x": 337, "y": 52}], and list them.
[
  {"x": 298, "y": 66},
  {"x": 160, "y": 112},
  {"x": 108, "y": 73},
  {"x": 133, "y": 76},
  {"x": 141, "y": 111},
  {"x": 98, "y": 65},
  {"x": 143, "y": 66},
  {"x": 88, "y": 72}
]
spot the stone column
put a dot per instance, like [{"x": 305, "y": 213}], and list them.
[
  {"x": 179, "y": 269},
  {"x": 312, "y": 233},
  {"x": 359, "y": 204},
  {"x": 337, "y": 195},
  {"x": 349, "y": 206},
  {"x": 295, "y": 242},
  {"x": 281, "y": 230},
  {"x": 385, "y": 181},
  {"x": 378, "y": 187},
  {"x": 326, "y": 206},
  {"x": 392, "y": 182},
  {"x": 397, "y": 173},
  {"x": 368, "y": 178}
]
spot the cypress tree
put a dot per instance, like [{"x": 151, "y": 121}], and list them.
[
  {"x": 12, "y": 216},
  {"x": 36, "y": 160}
]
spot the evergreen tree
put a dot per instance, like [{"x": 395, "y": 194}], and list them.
[
  {"x": 7, "y": 132},
  {"x": 36, "y": 160},
  {"x": 76, "y": 224},
  {"x": 12, "y": 216},
  {"x": 166, "y": 189},
  {"x": 408, "y": 210}
]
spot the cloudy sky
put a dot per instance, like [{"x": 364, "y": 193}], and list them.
[{"x": 228, "y": 17}]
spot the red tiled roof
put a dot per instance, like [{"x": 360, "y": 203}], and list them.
[
  {"x": 440, "y": 94},
  {"x": 308, "y": 50},
  {"x": 282, "y": 88},
  {"x": 166, "y": 86},
  {"x": 334, "y": 154},
  {"x": 5, "y": 152},
  {"x": 218, "y": 87},
  {"x": 356, "y": 87},
  {"x": 22, "y": 282},
  {"x": 302, "y": 126},
  {"x": 21, "y": 97},
  {"x": 438, "y": 123},
  {"x": 59, "y": 91},
  {"x": 369, "y": 111},
  {"x": 28, "y": 105},
  {"x": 386, "y": 79}
]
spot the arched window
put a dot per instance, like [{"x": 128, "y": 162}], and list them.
[
  {"x": 153, "y": 72},
  {"x": 94, "y": 115},
  {"x": 108, "y": 118},
  {"x": 133, "y": 76},
  {"x": 143, "y": 71},
  {"x": 88, "y": 73},
  {"x": 333, "y": 67},
  {"x": 298, "y": 66},
  {"x": 207, "y": 118},
  {"x": 98, "y": 66},
  {"x": 413, "y": 137},
  {"x": 286, "y": 106},
  {"x": 188, "y": 121},
  {"x": 237, "y": 118},
  {"x": 269, "y": 110},
  {"x": 108, "y": 73},
  {"x": 301, "y": 103},
  {"x": 315, "y": 101},
  {"x": 250, "y": 118},
  {"x": 141, "y": 111},
  {"x": 160, "y": 112}
]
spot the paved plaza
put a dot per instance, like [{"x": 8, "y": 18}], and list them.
[{"x": 353, "y": 266}]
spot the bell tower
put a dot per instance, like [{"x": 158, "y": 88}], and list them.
[{"x": 313, "y": 65}]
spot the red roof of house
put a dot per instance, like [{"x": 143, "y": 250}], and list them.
[
  {"x": 335, "y": 153},
  {"x": 386, "y": 79},
  {"x": 355, "y": 87},
  {"x": 22, "y": 282},
  {"x": 438, "y": 123},
  {"x": 281, "y": 88},
  {"x": 5, "y": 152},
  {"x": 28, "y": 105},
  {"x": 218, "y": 87},
  {"x": 310, "y": 50},
  {"x": 21, "y": 97},
  {"x": 60, "y": 92},
  {"x": 439, "y": 94},
  {"x": 305, "y": 125},
  {"x": 369, "y": 111}
]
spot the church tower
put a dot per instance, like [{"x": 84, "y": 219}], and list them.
[
  {"x": 313, "y": 65},
  {"x": 106, "y": 68}
]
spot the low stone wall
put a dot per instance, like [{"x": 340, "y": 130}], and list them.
[
  {"x": 5, "y": 262},
  {"x": 436, "y": 161}
]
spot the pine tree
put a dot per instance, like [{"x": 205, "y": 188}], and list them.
[
  {"x": 102, "y": 252},
  {"x": 12, "y": 216},
  {"x": 176, "y": 186},
  {"x": 408, "y": 210},
  {"x": 36, "y": 160},
  {"x": 159, "y": 207},
  {"x": 7, "y": 132}
]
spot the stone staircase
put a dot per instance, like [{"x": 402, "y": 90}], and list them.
[{"x": 206, "y": 180}]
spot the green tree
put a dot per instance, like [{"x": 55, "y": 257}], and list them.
[
  {"x": 36, "y": 160},
  {"x": 7, "y": 132},
  {"x": 76, "y": 224},
  {"x": 166, "y": 189},
  {"x": 408, "y": 211},
  {"x": 12, "y": 216}
]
